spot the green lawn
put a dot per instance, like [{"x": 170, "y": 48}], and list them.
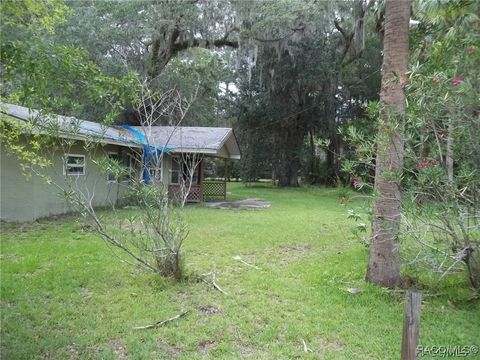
[{"x": 64, "y": 295}]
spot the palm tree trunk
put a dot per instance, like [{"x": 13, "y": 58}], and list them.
[{"x": 384, "y": 261}]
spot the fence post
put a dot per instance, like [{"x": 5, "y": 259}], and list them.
[{"x": 411, "y": 324}]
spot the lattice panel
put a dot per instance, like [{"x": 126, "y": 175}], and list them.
[
  {"x": 214, "y": 189},
  {"x": 195, "y": 194}
]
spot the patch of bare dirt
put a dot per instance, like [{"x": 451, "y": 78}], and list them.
[
  {"x": 47, "y": 355},
  {"x": 86, "y": 293},
  {"x": 118, "y": 349},
  {"x": 39, "y": 224},
  {"x": 205, "y": 346},
  {"x": 171, "y": 350},
  {"x": 336, "y": 343},
  {"x": 72, "y": 352},
  {"x": 247, "y": 351},
  {"x": 293, "y": 252},
  {"x": 209, "y": 309},
  {"x": 330, "y": 346},
  {"x": 9, "y": 257},
  {"x": 94, "y": 351}
]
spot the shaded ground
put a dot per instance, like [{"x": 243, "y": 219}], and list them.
[{"x": 240, "y": 204}]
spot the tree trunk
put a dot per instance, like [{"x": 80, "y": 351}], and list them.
[
  {"x": 312, "y": 177},
  {"x": 331, "y": 180},
  {"x": 384, "y": 262},
  {"x": 289, "y": 175},
  {"x": 473, "y": 266},
  {"x": 290, "y": 147},
  {"x": 162, "y": 49}
]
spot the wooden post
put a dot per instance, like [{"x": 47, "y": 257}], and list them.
[
  {"x": 225, "y": 170},
  {"x": 411, "y": 324},
  {"x": 225, "y": 179},
  {"x": 200, "y": 179}
]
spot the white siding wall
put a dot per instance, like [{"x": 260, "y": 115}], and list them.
[{"x": 27, "y": 199}]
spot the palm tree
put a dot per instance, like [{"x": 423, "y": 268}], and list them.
[{"x": 384, "y": 261}]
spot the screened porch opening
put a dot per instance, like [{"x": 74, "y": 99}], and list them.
[{"x": 201, "y": 189}]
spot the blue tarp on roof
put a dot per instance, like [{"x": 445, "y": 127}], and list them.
[{"x": 149, "y": 152}]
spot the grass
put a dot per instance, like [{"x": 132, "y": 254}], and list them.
[{"x": 65, "y": 296}]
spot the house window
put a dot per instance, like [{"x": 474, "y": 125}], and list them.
[
  {"x": 175, "y": 171},
  {"x": 154, "y": 167},
  {"x": 124, "y": 161},
  {"x": 74, "y": 164},
  {"x": 155, "y": 173},
  {"x": 112, "y": 157}
]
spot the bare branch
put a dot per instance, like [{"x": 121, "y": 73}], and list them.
[{"x": 162, "y": 323}]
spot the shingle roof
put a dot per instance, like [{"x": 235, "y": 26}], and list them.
[
  {"x": 186, "y": 137},
  {"x": 214, "y": 141},
  {"x": 71, "y": 127},
  {"x": 210, "y": 140}
]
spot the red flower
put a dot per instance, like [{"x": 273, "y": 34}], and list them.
[
  {"x": 357, "y": 182},
  {"x": 458, "y": 80},
  {"x": 423, "y": 164}
]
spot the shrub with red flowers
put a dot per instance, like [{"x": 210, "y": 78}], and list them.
[
  {"x": 441, "y": 174},
  {"x": 442, "y": 192},
  {"x": 423, "y": 164}
]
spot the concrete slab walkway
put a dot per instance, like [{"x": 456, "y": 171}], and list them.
[{"x": 246, "y": 204}]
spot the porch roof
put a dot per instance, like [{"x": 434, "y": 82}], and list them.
[{"x": 213, "y": 141}]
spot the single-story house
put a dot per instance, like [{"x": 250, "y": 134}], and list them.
[{"x": 26, "y": 198}]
